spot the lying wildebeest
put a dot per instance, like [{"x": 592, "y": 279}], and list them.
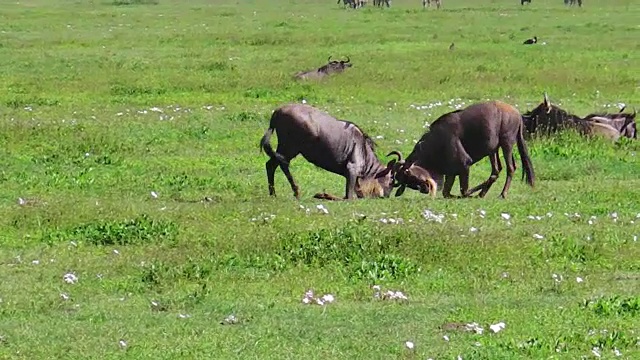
[
  {"x": 461, "y": 138},
  {"x": 547, "y": 118},
  {"x": 426, "y": 3},
  {"x": 338, "y": 146},
  {"x": 332, "y": 67}
]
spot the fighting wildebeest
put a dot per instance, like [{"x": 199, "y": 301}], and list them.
[
  {"x": 547, "y": 118},
  {"x": 332, "y": 67},
  {"x": 338, "y": 146},
  {"x": 426, "y": 3},
  {"x": 459, "y": 139}
]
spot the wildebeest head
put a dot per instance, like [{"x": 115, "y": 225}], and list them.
[
  {"x": 547, "y": 117},
  {"x": 412, "y": 176},
  {"x": 334, "y": 66}
]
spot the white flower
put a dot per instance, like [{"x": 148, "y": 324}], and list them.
[
  {"x": 409, "y": 345},
  {"x": 497, "y": 327},
  {"x": 505, "y": 216},
  {"x": 596, "y": 352},
  {"x": 446, "y": 338},
  {"x": 538, "y": 236},
  {"x": 474, "y": 327},
  {"x": 184, "y": 316},
  {"x": 154, "y": 194},
  {"x": 306, "y": 300},
  {"x": 122, "y": 343},
  {"x": 473, "y": 229},
  {"x": 328, "y": 298},
  {"x": 70, "y": 278},
  {"x": 322, "y": 209},
  {"x": 35, "y": 262},
  {"x": 64, "y": 296},
  {"x": 617, "y": 352},
  {"x": 579, "y": 279}
]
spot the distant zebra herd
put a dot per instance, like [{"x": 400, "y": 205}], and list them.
[{"x": 355, "y": 4}]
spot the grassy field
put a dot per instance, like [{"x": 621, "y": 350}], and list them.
[{"x": 117, "y": 119}]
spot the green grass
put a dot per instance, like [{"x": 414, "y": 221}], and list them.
[{"x": 103, "y": 102}]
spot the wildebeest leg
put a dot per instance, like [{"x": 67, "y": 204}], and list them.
[
  {"x": 448, "y": 185},
  {"x": 350, "y": 190},
  {"x": 496, "y": 167},
  {"x": 463, "y": 178},
  {"x": 288, "y": 155},
  {"x": 294, "y": 186},
  {"x": 271, "y": 165},
  {"x": 507, "y": 152}
]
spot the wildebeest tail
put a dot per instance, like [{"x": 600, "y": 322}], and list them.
[
  {"x": 266, "y": 146},
  {"x": 527, "y": 166}
]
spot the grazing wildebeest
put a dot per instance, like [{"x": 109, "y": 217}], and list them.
[
  {"x": 461, "y": 138},
  {"x": 332, "y": 67},
  {"x": 525, "y": 1},
  {"x": 573, "y": 2},
  {"x": 426, "y": 3},
  {"x": 547, "y": 118},
  {"x": 338, "y": 146}
]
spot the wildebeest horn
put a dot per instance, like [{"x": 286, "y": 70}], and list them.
[
  {"x": 622, "y": 109},
  {"x": 397, "y": 153},
  {"x": 547, "y": 103},
  {"x": 348, "y": 59},
  {"x": 329, "y": 59},
  {"x": 433, "y": 187},
  {"x": 634, "y": 112}
]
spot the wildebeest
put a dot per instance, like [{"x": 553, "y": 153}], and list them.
[
  {"x": 382, "y": 2},
  {"x": 547, "y": 118},
  {"x": 532, "y": 41},
  {"x": 332, "y": 67},
  {"x": 338, "y": 146},
  {"x": 573, "y": 2},
  {"x": 426, "y": 3},
  {"x": 459, "y": 139},
  {"x": 525, "y": 1},
  {"x": 624, "y": 123}
]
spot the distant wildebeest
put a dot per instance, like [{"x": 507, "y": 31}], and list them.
[
  {"x": 534, "y": 40},
  {"x": 332, "y": 67},
  {"x": 382, "y": 2},
  {"x": 459, "y": 139},
  {"x": 350, "y": 3},
  {"x": 573, "y": 2},
  {"x": 525, "y": 1},
  {"x": 625, "y": 123},
  {"x": 426, "y": 3},
  {"x": 338, "y": 146},
  {"x": 547, "y": 118}
]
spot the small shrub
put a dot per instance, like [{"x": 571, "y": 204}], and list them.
[
  {"x": 141, "y": 229},
  {"x": 615, "y": 305},
  {"x": 363, "y": 253}
]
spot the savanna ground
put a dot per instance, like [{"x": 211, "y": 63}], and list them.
[{"x": 104, "y": 102}]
